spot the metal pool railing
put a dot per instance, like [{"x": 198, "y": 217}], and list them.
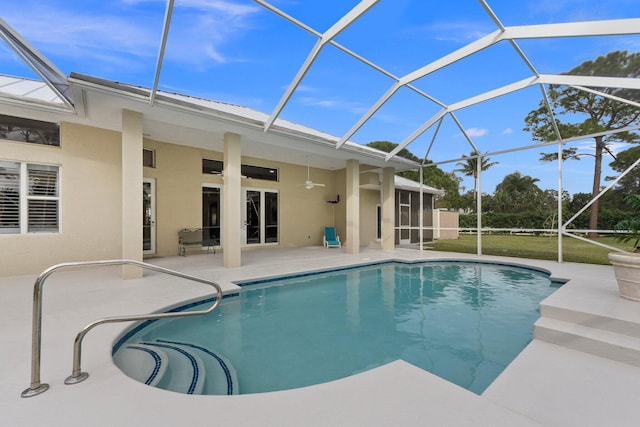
[{"x": 36, "y": 387}]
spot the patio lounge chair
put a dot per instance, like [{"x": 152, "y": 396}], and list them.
[{"x": 330, "y": 240}]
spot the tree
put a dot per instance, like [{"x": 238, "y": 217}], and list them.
[
  {"x": 630, "y": 183},
  {"x": 589, "y": 113},
  {"x": 470, "y": 168},
  {"x": 518, "y": 193},
  {"x": 431, "y": 175},
  {"x": 388, "y": 147},
  {"x": 447, "y": 181}
]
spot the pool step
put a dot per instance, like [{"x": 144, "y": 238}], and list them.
[
  {"x": 591, "y": 338},
  {"x": 221, "y": 376},
  {"x": 185, "y": 371},
  {"x": 178, "y": 366},
  {"x": 142, "y": 363}
]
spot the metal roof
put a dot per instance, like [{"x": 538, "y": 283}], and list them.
[
  {"x": 408, "y": 184},
  {"x": 20, "y": 88}
]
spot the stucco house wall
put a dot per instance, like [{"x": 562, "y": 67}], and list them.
[
  {"x": 179, "y": 181},
  {"x": 90, "y": 204}
]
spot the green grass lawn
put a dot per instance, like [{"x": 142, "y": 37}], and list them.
[{"x": 535, "y": 247}]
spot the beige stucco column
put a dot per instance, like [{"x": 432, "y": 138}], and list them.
[
  {"x": 388, "y": 209},
  {"x": 353, "y": 207},
  {"x": 131, "y": 191},
  {"x": 231, "y": 202}
]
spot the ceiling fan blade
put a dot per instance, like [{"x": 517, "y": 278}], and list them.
[{"x": 308, "y": 184}]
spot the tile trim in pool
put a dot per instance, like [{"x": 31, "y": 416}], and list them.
[
  {"x": 254, "y": 282},
  {"x": 192, "y": 360},
  {"x": 223, "y": 365},
  {"x": 157, "y": 359}
]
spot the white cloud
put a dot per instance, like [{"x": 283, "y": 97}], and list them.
[
  {"x": 617, "y": 147},
  {"x": 477, "y": 132},
  {"x": 127, "y": 34},
  {"x": 507, "y": 131},
  {"x": 229, "y": 8},
  {"x": 335, "y": 103},
  {"x": 458, "y": 32},
  {"x": 302, "y": 88}
]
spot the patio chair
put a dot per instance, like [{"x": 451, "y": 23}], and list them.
[{"x": 330, "y": 240}]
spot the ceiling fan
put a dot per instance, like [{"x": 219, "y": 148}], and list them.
[{"x": 308, "y": 184}]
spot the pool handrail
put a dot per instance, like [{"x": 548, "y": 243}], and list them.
[{"x": 36, "y": 387}]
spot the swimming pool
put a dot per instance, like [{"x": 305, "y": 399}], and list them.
[{"x": 462, "y": 321}]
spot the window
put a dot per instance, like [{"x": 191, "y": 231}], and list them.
[
  {"x": 216, "y": 167},
  {"x": 29, "y": 198},
  {"x": 212, "y": 166},
  {"x": 27, "y": 130},
  {"x": 148, "y": 158},
  {"x": 257, "y": 172},
  {"x": 9, "y": 197}
]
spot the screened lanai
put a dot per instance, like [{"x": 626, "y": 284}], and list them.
[{"x": 441, "y": 81}]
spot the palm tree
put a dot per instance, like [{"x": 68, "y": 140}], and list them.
[{"x": 470, "y": 167}]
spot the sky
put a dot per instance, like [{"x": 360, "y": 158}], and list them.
[{"x": 238, "y": 51}]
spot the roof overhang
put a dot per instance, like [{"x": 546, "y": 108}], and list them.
[{"x": 201, "y": 123}]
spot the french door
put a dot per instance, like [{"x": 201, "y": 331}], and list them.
[
  {"x": 260, "y": 217},
  {"x": 211, "y": 214},
  {"x": 148, "y": 216}
]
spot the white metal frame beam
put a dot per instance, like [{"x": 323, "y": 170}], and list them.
[
  {"x": 573, "y": 29},
  {"x": 503, "y": 33},
  {"x": 344, "y": 49},
  {"x": 622, "y": 82},
  {"x": 542, "y": 144},
  {"x": 163, "y": 43},
  {"x": 614, "y": 27},
  {"x": 435, "y": 118},
  {"x": 49, "y": 73},
  {"x": 325, "y": 38},
  {"x": 415, "y": 75}
]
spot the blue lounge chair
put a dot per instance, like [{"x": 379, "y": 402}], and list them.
[{"x": 330, "y": 240}]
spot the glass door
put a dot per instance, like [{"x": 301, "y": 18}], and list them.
[
  {"x": 211, "y": 209},
  {"x": 260, "y": 217},
  {"x": 270, "y": 217},
  {"x": 253, "y": 216},
  {"x": 148, "y": 216},
  {"x": 405, "y": 235}
]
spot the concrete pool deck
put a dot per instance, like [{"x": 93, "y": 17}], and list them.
[{"x": 560, "y": 379}]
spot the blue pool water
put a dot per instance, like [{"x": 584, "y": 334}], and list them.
[{"x": 462, "y": 321}]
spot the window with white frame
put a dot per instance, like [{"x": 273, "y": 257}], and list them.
[{"x": 29, "y": 198}]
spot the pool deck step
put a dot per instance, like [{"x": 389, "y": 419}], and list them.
[
  {"x": 589, "y": 339},
  {"x": 612, "y": 319}
]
